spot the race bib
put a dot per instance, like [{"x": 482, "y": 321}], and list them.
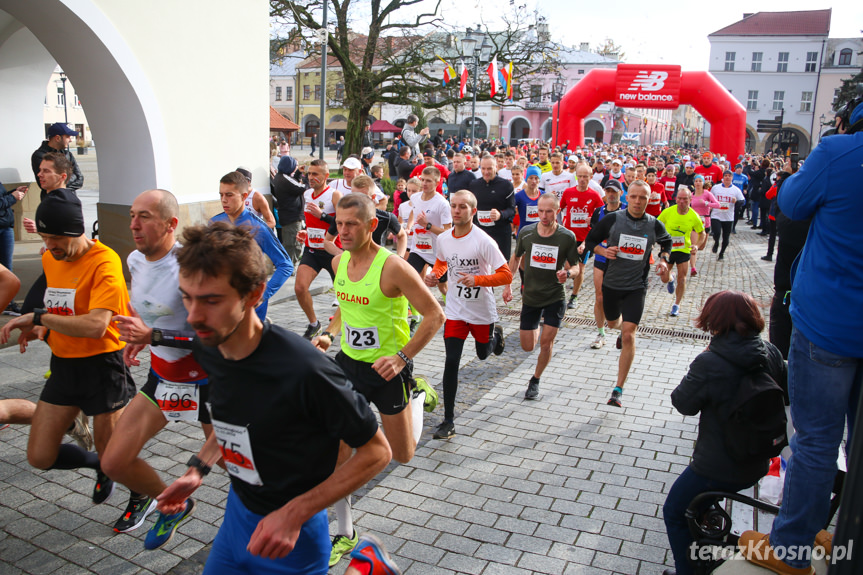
[
  {"x": 543, "y": 257},
  {"x": 577, "y": 219},
  {"x": 423, "y": 241},
  {"x": 631, "y": 247},
  {"x": 532, "y": 214},
  {"x": 484, "y": 218},
  {"x": 316, "y": 238},
  {"x": 60, "y": 301},
  {"x": 678, "y": 242},
  {"x": 236, "y": 450},
  {"x": 362, "y": 338},
  {"x": 468, "y": 294},
  {"x": 178, "y": 401},
  {"x": 724, "y": 206}
]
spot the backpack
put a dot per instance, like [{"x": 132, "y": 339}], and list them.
[{"x": 754, "y": 421}]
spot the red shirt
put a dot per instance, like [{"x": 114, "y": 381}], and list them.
[
  {"x": 654, "y": 203},
  {"x": 668, "y": 182},
  {"x": 712, "y": 174},
  {"x": 444, "y": 174},
  {"x": 577, "y": 207}
]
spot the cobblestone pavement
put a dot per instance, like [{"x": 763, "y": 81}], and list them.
[{"x": 565, "y": 484}]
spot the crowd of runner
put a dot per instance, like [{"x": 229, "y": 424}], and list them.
[{"x": 297, "y": 442}]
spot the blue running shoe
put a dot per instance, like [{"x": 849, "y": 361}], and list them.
[
  {"x": 166, "y": 526},
  {"x": 670, "y": 286},
  {"x": 370, "y": 551}
]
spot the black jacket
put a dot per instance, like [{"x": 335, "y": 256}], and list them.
[
  {"x": 74, "y": 182},
  {"x": 712, "y": 382},
  {"x": 7, "y": 215},
  {"x": 288, "y": 192}
]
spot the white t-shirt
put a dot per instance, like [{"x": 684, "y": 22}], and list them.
[
  {"x": 505, "y": 173},
  {"x": 155, "y": 296},
  {"x": 438, "y": 214},
  {"x": 405, "y": 210},
  {"x": 594, "y": 185},
  {"x": 557, "y": 184},
  {"x": 343, "y": 187},
  {"x": 725, "y": 197},
  {"x": 249, "y": 205},
  {"x": 474, "y": 254}
]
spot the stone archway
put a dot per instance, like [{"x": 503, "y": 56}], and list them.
[
  {"x": 595, "y": 129},
  {"x": 519, "y": 127},
  {"x": 790, "y": 138}
]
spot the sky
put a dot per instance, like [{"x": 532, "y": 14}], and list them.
[{"x": 663, "y": 35}]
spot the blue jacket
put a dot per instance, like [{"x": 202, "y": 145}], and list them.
[
  {"x": 828, "y": 189},
  {"x": 269, "y": 245}
]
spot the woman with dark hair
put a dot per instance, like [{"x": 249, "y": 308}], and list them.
[
  {"x": 764, "y": 201},
  {"x": 734, "y": 321}
]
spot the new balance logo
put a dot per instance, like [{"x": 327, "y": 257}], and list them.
[{"x": 648, "y": 82}]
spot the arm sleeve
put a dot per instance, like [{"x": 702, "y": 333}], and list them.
[
  {"x": 7, "y": 200},
  {"x": 277, "y": 254},
  {"x": 501, "y": 276},
  {"x": 802, "y": 193},
  {"x": 599, "y": 233},
  {"x": 690, "y": 396},
  {"x": 439, "y": 269},
  {"x": 710, "y": 201},
  {"x": 76, "y": 180}
]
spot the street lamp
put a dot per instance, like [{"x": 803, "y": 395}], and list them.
[
  {"x": 469, "y": 52},
  {"x": 62, "y": 83},
  {"x": 557, "y": 89}
]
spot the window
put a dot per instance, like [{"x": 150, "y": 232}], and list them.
[
  {"x": 289, "y": 93},
  {"x": 778, "y": 100},
  {"x": 845, "y": 57},
  {"x": 516, "y": 91},
  {"x": 536, "y": 93},
  {"x": 77, "y": 104},
  {"x": 729, "y": 61},
  {"x": 340, "y": 92},
  {"x": 756, "y": 61},
  {"x": 752, "y": 101},
  {"x": 811, "y": 61},
  {"x": 317, "y": 91},
  {"x": 278, "y": 93},
  {"x": 61, "y": 95},
  {"x": 782, "y": 63},
  {"x": 580, "y": 72},
  {"x": 806, "y": 102},
  {"x": 306, "y": 92}
]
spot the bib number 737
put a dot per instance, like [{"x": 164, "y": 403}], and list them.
[{"x": 468, "y": 293}]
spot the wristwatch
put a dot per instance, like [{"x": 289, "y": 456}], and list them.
[
  {"x": 156, "y": 337},
  {"x": 329, "y": 335},
  {"x": 202, "y": 468},
  {"x": 37, "y": 315},
  {"x": 664, "y": 258},
  {"x": 428, "y": 226}
]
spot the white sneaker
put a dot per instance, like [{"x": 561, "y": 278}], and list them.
[{"x": 598, "y": 342}]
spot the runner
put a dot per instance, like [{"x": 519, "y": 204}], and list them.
[
  {"x": 321, "y": 201},
  {"x": 552, "y": 255},
  {"x": 256, "y": 203},
  {"x": 682, "y": 222},
  {"x": 631, "y": 235},
  {"x": 476, "y": 261},
  {"x": 702, "y": 202},
  {"x": 352, "y": 168},
  {"x": 542, "y": 162},
  {"x": 722, "y": 218},
  {"x": 85, "y": 290},
  {"x": 176, "y": 388},
  {"x": 557, "y": 180},
  {"x": 406, "y": 214},
  {"x": 277, "y": 429},
  {"x": 712, "y": 173},
  {"x": 577, "y": 205},
  {"x": 233, "y": 191},
  {"x": 431, "y": 217},
  {"x": 613, "y": 192},
  {"x": 376, "y": 353}
]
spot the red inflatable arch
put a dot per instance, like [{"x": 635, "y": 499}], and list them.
[{"x": 664, "y": 87}]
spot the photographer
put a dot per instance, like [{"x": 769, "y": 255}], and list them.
[{"x": 826, "y": 354}]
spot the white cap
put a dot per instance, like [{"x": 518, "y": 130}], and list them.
[{"x": 352, "y": 164}]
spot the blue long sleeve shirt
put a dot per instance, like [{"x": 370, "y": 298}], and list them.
[
  {"x": 830, "y": 270},
  {"x": 269, "y": 244}
]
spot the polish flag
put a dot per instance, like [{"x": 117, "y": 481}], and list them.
[
  {"x": 463, "y": 81},
  {"x": 494, "y": 80}
]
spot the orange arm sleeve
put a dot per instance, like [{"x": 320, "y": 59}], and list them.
[
  {"x": 501, "y": 276},
  {"x": 439, "y": 268}
]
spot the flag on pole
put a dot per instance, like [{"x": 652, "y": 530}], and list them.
[
  {"x": 448, "y": 71},
  {"x": 493, "y": 78},
  {"x": 463, "y": 81},
  {"x": 509, "y": 81}
]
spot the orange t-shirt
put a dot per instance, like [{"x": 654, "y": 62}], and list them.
[{"x": 94, "y": 281}]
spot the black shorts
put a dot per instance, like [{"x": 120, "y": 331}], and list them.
[
  {"x": 97, "y": 384},
  {"x": 600, "y": 265},
  {"x": 418, "y": 263},
  {"x": 552, "y": 315},
  {"x": 583, "y": 257},
  {"x": 149, "y": 390},
  {"x": 318, "y": 260},
  {"x": 390, "y": 397},
  {"x": 628, "y": 303},
  {"x": 678, "y": 258}
]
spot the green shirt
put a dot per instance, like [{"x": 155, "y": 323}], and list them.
[
  {"x": 374, "y": 325},
  {"x": 543, "y": 257},
  {"x": 681, "y": 227}
]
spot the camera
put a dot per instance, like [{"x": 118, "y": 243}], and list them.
[{"x": 844, "y": 113}]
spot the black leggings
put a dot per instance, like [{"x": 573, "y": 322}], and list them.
[
  {"x": 454, "y": 347},
  {"x": 723, "y": 228}
]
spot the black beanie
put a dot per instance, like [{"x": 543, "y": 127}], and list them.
[{"x": 60, "y": 214}]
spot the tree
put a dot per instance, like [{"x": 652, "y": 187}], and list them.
[
  {"x": 610, "y": 49},
  {"x": 395, "y": 61},
  {"x": 848, "y": 91}
]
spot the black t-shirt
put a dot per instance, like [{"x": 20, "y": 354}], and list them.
[
  {"x": 387, "y": 222},
  {"x": 292, "y": 418}
]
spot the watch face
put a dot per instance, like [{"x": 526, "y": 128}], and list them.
[{"x": 157, "y": 335}]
